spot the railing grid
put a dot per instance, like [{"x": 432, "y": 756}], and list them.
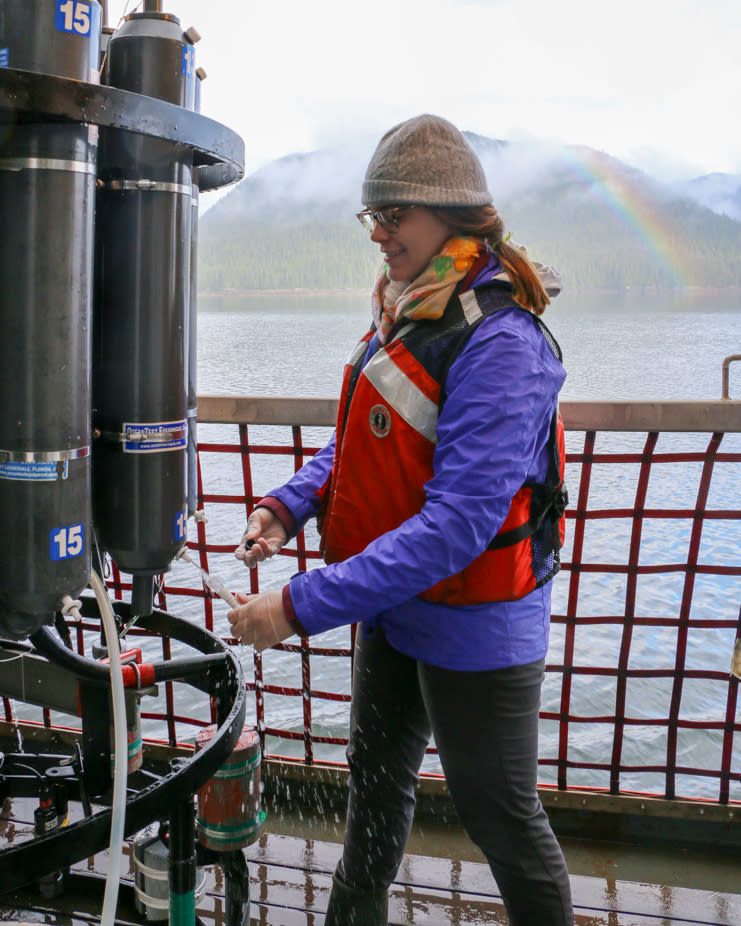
[
  {"x": 638, "y": 697},
  {"x": 651, "y": 644}
]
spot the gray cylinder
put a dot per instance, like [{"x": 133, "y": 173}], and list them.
[
  {"x": 141, "y": 314},
  {"x": 193, "y": 330},
  {"x": 192, "y": 464},
  {"x": 47, "y": 200},
  {"x": 151, "y": 877}
]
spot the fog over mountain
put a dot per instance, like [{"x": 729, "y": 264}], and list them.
[
  {"x": 719, "y": 192},
  {"x": 605, "y": 224}
]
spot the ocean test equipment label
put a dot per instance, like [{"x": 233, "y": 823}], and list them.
[
  {"x": 154, "y": 437},
  {"x": 35, "y": 471},
  {"x": 67, "y": 542},
  {"x": 73, "y": 16}
]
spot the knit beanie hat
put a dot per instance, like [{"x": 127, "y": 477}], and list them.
[{"x": 425, "y": 161}]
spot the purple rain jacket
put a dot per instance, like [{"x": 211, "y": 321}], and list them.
[{"x": 508, "y": 377}]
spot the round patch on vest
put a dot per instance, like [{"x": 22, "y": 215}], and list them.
[{"x": 380, "y": 420}]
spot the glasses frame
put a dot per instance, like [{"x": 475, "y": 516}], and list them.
[{"x": 387, "y": 218}]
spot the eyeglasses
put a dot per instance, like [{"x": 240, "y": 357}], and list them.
[{"x": 387, "y": 218}]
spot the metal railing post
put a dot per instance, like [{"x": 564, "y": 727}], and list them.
[{"x": 726, "y": 374}]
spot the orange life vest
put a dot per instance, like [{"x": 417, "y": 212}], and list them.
[{"x": 385, "y": 440}]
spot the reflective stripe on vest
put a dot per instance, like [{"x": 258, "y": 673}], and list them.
[
  {"x": 404, "y": 395},
  {"x": 397, "y": 398}
]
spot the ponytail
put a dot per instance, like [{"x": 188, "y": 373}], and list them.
[
  {"x": 485, "y": 222},
  {"x": 527, "y": 289}
]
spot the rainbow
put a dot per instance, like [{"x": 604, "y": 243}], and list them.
[{"x": 625, "y": 196}]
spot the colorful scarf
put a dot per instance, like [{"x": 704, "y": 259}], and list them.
[{"x": 427, "y": 296}]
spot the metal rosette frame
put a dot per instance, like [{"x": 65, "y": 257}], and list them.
[
  {"x": 216, "y": 671},
  {"x": 218, "y": 151},
  {"x": 53, "y": 127}
]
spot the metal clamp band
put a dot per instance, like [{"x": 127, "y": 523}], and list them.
[
  {"x": 148, "y": 186},
  {"x": 43, "y": 456},
  {"x": 78, "y": 167}
]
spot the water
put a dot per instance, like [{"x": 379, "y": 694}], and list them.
[{"x": 634, "y": 344}]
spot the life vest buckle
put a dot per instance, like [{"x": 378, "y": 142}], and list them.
[{"x": 560, "y": 501}]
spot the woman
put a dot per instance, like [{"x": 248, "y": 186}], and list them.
[{"x": 439, "y": 504}]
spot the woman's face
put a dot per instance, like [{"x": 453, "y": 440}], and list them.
[{"x": 409, "y": 248}]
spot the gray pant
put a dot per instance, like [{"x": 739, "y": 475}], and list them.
[{"x": 486, "y": 730}]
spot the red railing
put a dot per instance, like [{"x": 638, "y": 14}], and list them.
[
  {"x": 638, "y": 696},
  {"x": 681, "y": 620}
]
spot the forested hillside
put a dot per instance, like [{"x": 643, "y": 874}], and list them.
[
  {"x": 291, "y": 224},
  {"x": 307, "y": 255}
]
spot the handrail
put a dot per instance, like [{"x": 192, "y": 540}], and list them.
[
  {"x": 283, "y": 410},
  {"x": 704, "y": 416},
  {"x": 726, "y": 375}
]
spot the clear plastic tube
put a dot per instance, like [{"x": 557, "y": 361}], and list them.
[
  {"x": 120, "y": 753},
  {"x": 212, "y": 582}
]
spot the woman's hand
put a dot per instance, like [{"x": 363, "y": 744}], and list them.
[
  {"x": 263, "y": 537},
  {"x": 260, "y": 621}
]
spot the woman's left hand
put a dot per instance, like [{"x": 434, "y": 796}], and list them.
[{"x": 260, "y": 621}]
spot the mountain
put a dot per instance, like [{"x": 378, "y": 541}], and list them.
[
  {"x": 719, "y": 192},
  {"x": 604, "y": 224}
]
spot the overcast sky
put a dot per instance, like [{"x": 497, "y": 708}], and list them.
[{"x": 654, "y": 82}]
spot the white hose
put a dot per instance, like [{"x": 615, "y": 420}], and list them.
[{"x": 120, "y": 752}]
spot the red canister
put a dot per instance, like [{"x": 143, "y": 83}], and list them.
[{"x": 229, "y": 815}]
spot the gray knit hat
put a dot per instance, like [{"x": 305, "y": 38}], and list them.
[{"x": 427, "y": 161}]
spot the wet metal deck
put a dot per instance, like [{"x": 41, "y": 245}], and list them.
[{"x": 291, "y": 878}]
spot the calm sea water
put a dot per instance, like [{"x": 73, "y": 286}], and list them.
[{"x": 635, "y": 344}]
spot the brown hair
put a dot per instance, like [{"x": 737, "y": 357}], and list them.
[{"x": 485, "y": 222}]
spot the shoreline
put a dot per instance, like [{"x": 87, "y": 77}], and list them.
[
  {"x": 243, "y": 293},
  {"x": 340, "y": 291}
]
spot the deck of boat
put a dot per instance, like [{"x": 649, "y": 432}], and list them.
[
  {"x": 291, "y": 874},
  {"x": 291, "y": 878}
]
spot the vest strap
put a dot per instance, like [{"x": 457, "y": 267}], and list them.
[{"x": 555, "y": 507}]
